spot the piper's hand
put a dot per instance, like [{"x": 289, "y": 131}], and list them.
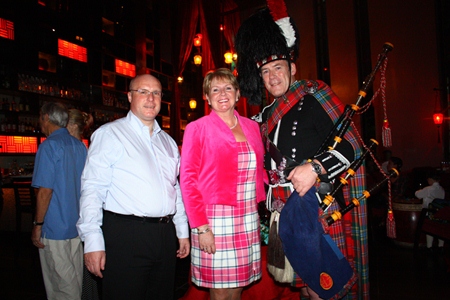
[{"x": 303, "y": 178}]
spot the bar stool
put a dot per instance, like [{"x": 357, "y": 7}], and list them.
[
  {"x": 25, "y": 199},
  {"x": 25, "y": 202}
]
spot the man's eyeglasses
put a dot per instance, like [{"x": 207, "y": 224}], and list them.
[{"x": 144, "y": 92}]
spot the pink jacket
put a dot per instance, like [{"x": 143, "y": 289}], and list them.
[{"x": 209, "y": 165}]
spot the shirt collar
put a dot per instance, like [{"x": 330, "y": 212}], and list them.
[
  {"x": 61, "y": 130},
  {"x": 139, "y": 127}
]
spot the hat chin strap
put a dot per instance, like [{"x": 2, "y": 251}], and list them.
[{"x": 290, "y": 76}]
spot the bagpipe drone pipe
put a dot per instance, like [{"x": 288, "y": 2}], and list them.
[
  {"x": 337, "y": 215},
  {"x": 311, "y": 251}
]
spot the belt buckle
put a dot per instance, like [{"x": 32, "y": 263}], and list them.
[{"x": 165, "y": 219}]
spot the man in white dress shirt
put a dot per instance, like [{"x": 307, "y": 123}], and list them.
[
  {"x": 433, "y": 191},
  {"x": 131, "y": 206}
]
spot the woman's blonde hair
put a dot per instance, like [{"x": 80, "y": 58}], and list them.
[
  {"x": 79, "y": 118},
  {"x": 219, "y": 74}
]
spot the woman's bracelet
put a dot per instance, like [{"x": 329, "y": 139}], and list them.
[{"x": 204, "y": 231}]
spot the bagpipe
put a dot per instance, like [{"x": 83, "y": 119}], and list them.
[
  {"x": 313, "y": 254},
  {"x": 341, "y": 126},
  {"x": 339, "y": 130},
  {"x": 337, "y": 215},
  {"x": 351, "y": 171}
]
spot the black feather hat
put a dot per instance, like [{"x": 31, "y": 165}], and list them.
[{"x": 267, "y": 35}]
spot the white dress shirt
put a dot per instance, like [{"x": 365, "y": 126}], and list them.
[
  {"x": 129, "y": 172},
  {"x": 429, "y": 193}
]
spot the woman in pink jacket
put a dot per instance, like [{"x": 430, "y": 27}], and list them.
[{"x": 222, "y": 180}]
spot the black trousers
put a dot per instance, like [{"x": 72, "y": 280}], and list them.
[{"x": 140, "y": 259}]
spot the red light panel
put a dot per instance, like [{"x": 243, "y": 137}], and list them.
[
  {"x": 72, "y": 50},
  {"x": 18, "y": 144},
  {"x": 85, "y": 141},
  {"x": 125, "y": 68},
  {"x": 6, "y": 29}
]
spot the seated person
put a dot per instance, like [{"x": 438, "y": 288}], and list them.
[
  {"x": 433, "y": 191},
  {"x": 399, "y": 183},
  {"x": 387, "y": 154}
]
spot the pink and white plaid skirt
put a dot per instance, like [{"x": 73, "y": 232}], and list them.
[{"x": 237, "y": 261}]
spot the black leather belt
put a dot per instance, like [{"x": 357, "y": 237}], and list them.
[{"x": 165, "y": 219}]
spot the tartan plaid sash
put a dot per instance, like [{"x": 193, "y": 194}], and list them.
[{"x": 282, "y": 105}]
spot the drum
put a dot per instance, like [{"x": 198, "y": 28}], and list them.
[{"x": 406, "y": 214}]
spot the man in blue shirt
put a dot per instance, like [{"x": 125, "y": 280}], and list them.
[{"x": 59, "y": 162}]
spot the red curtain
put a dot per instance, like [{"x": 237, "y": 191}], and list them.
[
  {"x": 231, "y": 22},
  {"x": 208, "y": 60},
  {"x": 191, "y": 13},
  {"x": 188, "y": 16},
  {"x": 183, "y": 42}
]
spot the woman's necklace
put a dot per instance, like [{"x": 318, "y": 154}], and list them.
[{"x": 235, "y": 123}]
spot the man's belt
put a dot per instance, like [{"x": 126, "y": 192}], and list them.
[{"x": 165, "y": 219}]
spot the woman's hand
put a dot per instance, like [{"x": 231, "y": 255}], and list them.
[{"x": 206, "y": 239}]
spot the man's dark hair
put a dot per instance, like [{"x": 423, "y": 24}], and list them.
[
  {"x": 433, "y": 174},
  {"x": 397, "y": 161}
]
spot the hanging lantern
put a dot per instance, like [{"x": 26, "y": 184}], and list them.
[
  {"x": 198, "y": 40},
  {"x": 228, "y": 57},
  {"x": 192, "y": 103},
  {"x": 197, "y": 59},
  {"x": 438, "y": 118},
  {"x": 180, "y": 79}
]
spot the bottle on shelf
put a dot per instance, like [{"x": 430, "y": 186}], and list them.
[
  {"x": 3, "y": 125},
  {"x": 21, "y": 105},
  {"x": 14, "y": 168},
  {"x": 36, "y": 127},
  {"x": 28, "y": 126},
  {"x": 8, "y": 125},
  {"x": 5, "y": 105},
  {"x": 21, "y": 127},
  {"x": 21, "y": 81},
  {"x": 13, "y": 105},
  {"x": 51, "y": 89},
  {"x": 13, "y": 126}
]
